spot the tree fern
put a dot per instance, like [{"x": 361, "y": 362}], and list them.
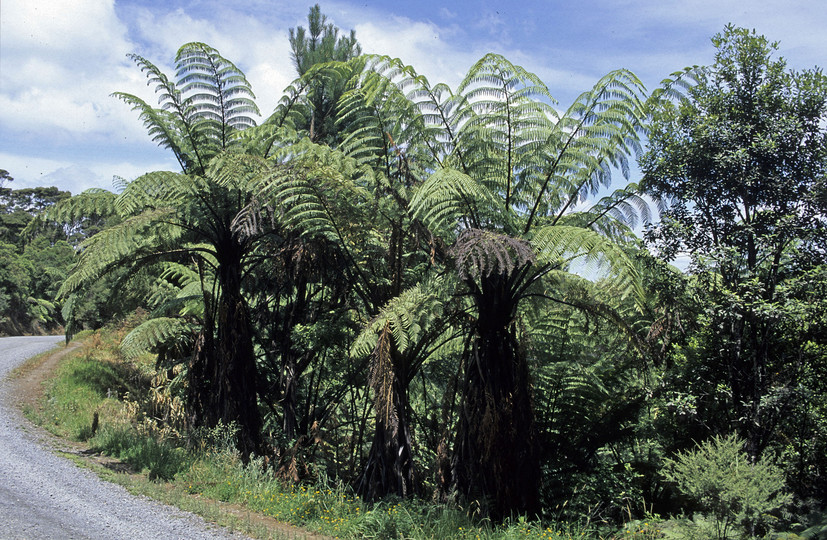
[
  {"x": 216, "y": 91},
  {"x": 170, "y": 334}
]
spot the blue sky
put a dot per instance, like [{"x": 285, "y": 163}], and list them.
[{"x": 60, "y": 59}]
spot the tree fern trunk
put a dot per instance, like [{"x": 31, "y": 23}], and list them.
[
  {"x": 236, "y": 388},
  {"x": 222, "y": 379},
  {"x": 495, "y": 461},
  {"x": 389, "y": 469}
]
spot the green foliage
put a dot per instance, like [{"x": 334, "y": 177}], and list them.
[
  {"x": 719, "y": 477},
  {"x": 406, "y": 318},
  {"x": 738, "y": 150},
  {"x": 166, "y": 335},
  {"x": 36, "y": 257},
  {"x": 158, "y": 458}
]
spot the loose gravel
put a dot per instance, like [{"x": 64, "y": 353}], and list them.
[{"x": 44, "y": 496}]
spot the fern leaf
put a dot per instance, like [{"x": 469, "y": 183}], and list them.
[{"x": 166, "y": 333}]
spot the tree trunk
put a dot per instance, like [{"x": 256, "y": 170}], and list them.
[
  {"x": 236, "y": 388},
  {"x": 289, "y": 380},
  {"x": 495, "y": 462},
  {"x": 223, "y": 372},
  {"x": 389, "y": 469}
]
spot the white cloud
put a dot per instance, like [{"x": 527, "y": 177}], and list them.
[
  {"x": 797, "y": 24},
  {"x": 61, "y": 60},
  {"x": 446, "y": 13},
  {"x": 64, "y": 28},
  {"x": 445, "y": 53},
  {"x": 68, "y": 174},
  {"x": 419, "y": 44}
]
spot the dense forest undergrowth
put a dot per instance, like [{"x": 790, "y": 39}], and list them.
[{"x": 431, "y": 303}]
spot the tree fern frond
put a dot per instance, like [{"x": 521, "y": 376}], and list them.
[
  {"x": 212, "y": 84},
  {"x": 167, "y": 333},
  {"x": 675, "y": 87},
  {"x": 311, "y": 192},
  {"x": 237, "y": 171},
  {"x": 118, "y": 244},
  {"x": 480, "y": 253},
  {"x": 162, "y": 126},
  {"x": 560, "y": 245},
  {"x": 155, "y": 190},
  {"x": 93, "y": 202},
  {"x": 446, "y": 197},
  {"x": 597, "y": 132},
  {"x": 403, "y": 319}
]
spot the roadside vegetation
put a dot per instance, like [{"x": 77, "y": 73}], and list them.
[
  {"x": 398, "y": 309},
  {"x": 98, "y": 398}
]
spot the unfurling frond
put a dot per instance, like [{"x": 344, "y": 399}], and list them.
[{"x": 481, "y": 253}]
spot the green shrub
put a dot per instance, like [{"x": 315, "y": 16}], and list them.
[{"x": 737, "y": 494}]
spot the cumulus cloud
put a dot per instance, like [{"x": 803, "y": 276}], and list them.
[{"x": 61, "y": 59}]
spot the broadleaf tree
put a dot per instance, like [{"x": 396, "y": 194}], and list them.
[{"x": 738, "y": 150}]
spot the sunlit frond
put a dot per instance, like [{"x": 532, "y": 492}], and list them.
[
  {"x": 560, "y": 245},
  {"x": 167, "y": 333}
]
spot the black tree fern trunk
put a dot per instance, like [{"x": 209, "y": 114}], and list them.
[
  {"x": 389, "y": 469},
  {"x": 495, "y": 461},
  {"x": 223, "y": 374}
]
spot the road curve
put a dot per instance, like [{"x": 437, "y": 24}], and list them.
[{"x": 45, "y": 496}]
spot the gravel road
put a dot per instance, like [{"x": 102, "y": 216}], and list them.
[{"x": 45, "y": 496}]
